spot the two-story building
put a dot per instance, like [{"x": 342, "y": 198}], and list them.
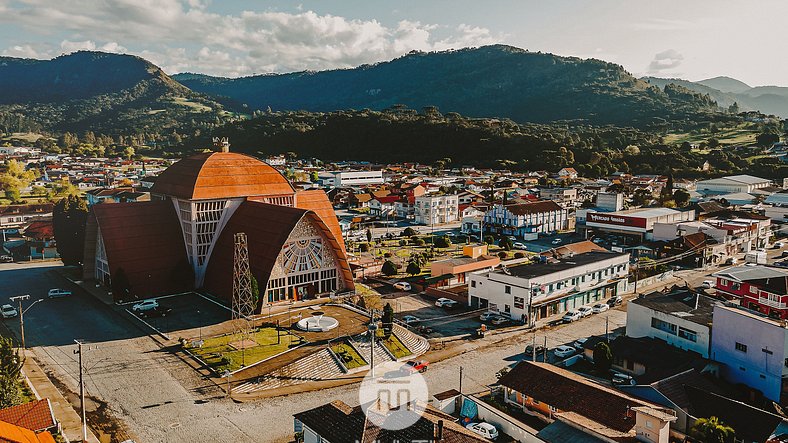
[
  {"x": 753, "y": 350},
  {"x": 555, "y": 286},
  {"x": 436, "y": 209},
  {"x": 15, "y": 216},
  {"x": 760, "y": 288},
  {"x": 566, "y": 197},
  {"x": 527, "y": 220}
]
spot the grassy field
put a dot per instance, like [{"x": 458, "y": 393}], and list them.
[
  {"x": 28, "y": 137},
  {"x": 196, "y": 107},
  {"x": 739, "y": 135},
  {"x": 349, "y": 356},
  {"x": 394, "y": 345},
  {"x": 217, "y": 352}
]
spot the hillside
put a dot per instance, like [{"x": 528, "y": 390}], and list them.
[
  {"x": 98, "y": 91},
  {"x": 491, "y": 81},
  {"x": 725, "y": 91}
]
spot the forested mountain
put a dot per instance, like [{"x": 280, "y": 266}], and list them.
[
  {"x": 491, "y": 81},
  {"x": 97, "y": 91},
  {"x": 726, "y": 91}
]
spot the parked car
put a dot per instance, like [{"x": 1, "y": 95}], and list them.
[
  {"x": 415, "y": 366},
  {"x": 402, "y": 286},
  {"x": 145, "y": 305},
  {"x": 779, "y": 244},
  {"x": 557, "y": 241},
  {"x": 486, "y": 430},
  {"x": 54, "y": 293},
  {"x": 411, "y": 319},
  {"x": 531, "y": 350},
  {"x": 585, "y": 311},
  {"x": 731, "y": 261},
  {"x": 598, "y": 240},
  {"x": 600, "y": 308},
  {"x": 619, "y": 378},
  {"x": 6, "y": 259},
  {"x": 518, "y": 245},
  {"x": 784, "y": 254},
  {"x": 445, "y": 303},
  {"x": 564, "y": 351},
  {"x": 707, "y": 284},
  {"x": 159, "y": 311},
  {"x": 615, "y": 301},
  {"x": 499, "y": 320},
  {"x": 8, "y": 311},
  {"x": 487, "y": 316},
  {"x": 578, "y": 344},
  {"x": 571, "y": 316}
]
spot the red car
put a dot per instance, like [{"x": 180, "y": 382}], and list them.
[{"x": 415, "y": 366}]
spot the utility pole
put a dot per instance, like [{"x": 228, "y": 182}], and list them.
[
  {"x": 460, "y": 381},
  {"x": 533, "y": 349},
  {"x": 545, "y": 349},
  {"x": 79, "y": 351},
  {"x": 19, "y": 299},
  {"x": 607, "y": 318},
  {"x": 373, "y": 327}
]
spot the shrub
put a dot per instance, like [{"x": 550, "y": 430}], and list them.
[
  {"x": 363, "y": 247},
  {"x": 413, "y": 268},
  {"x": 502, "y": 255},
  {"x": 403, "y": 242},
  {"x": 389, "y": 268},
  {"x": 519, "y": 254},
  {"x": 442, "y": 242}
]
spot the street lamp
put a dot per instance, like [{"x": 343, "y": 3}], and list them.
[{"x": 19, "y": 299}]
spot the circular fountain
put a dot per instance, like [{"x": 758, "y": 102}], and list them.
[{"x": 318, "y": 322}]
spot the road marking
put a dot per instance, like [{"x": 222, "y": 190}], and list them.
[{"x": 148, "y": 324}]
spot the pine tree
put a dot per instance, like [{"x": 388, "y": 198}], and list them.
[{"x": 68, "y": 222}]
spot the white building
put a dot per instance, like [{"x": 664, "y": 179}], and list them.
[
  {"x": 355, "y": 178},
  {"x": 565, "y": 197},
  {"x": 681, "y": 319},
  {"x": 638, "y": 223},
  {"x": 553, "y": 287},
  {"x": 752, "y": 349},
  {"x": 436, "y": 209},
  {"x": 527, "y": 220},
  {"x": 732, "y": 184}
]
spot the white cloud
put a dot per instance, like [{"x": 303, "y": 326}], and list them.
[
  {"x": 665, "y": 61},
  {"x": 186, "y": 36}
]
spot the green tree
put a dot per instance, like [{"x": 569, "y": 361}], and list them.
[
  {"x": 128, "y": 152},
  {"x": 387, "y": 320},
  {"x": 68, "y": 222},
  {"x": 767, "y": 138},
  {"x": 506, "y": 243},
  {"x": 603, "y": 357},
  {"x": 712, "y": 430},
  {"x": 389, "y": 268},
  {"x": 489, "y": 239},
  {"x": 681, "y": 197},
  {"x": 10, "y": 373},
  {"x": 408, "y": 232},
  {"x": 442, "y": 242},
  {"x": 255, "y": 291},
  {"x": 413, "y": 268}
]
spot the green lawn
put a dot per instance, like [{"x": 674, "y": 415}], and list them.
[
  {"x": 395, "y": 346},
  {"x": 217, "y": 352},
  {"x": 350, "y": 357},
  {"x": 741, "y": 134}
]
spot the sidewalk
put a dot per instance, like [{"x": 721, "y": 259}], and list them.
[{"x": 68, "y": 417}]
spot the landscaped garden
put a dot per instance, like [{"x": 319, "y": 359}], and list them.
[
  {"x": 233, "y": 351},
  {"x": 394, "y": 345},
  {"x": 350, "y": 357}
]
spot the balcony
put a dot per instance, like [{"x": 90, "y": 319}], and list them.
[{"x": 772, "y": 304}]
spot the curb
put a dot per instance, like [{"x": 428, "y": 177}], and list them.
[{"x": 163, "y": 335}]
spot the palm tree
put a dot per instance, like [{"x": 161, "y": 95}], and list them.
[{"x": 712, "y": 430}]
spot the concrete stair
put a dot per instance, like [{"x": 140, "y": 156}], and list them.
[
  {"x": 416, "y": 344},
  {"x": 314, "y": 367},
  {"x": 363, "y": 346}
]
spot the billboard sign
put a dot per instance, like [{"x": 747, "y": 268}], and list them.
[{"x": 616, "y": 220}]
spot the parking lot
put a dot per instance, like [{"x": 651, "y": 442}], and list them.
[
  {"x": 188, "y": 311},
  {"x": 444, "y": 322}
]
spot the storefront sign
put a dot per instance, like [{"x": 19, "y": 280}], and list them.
[{"x": 617, "y": 220}]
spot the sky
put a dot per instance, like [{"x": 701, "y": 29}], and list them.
[{"x": 690, "y": 39}]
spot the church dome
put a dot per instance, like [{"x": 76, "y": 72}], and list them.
[{"x": 215, "y": 175}]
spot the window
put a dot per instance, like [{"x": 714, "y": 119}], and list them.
[
  {"x": 735, "y": 286},
  {"x": 473, "y": 283},
  {"x": 723, "y": 282},
  {"x": 519, "y": 302},
  {"x": 741, "y": 347},
  {"x": 688, "y": 334},
  {"x": 753, "y": 289},
  {"x": 507, "y": 289},
  {"x": 663, "y": 326}
]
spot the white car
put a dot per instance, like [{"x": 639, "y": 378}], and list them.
[
  {"x": 410, "y": 319},
  {"x": 557, "y": 241},
  {"x": 578, "y": 344},
  {"x": 619, "y": 378},
  {"x": 585, "y": 311},
  {"x": 779, "y": 244},
  {"x": 571, "y": 316},
  {"x": 707, "y": 284},
  {"x": 564, "y": 351},
  {"x": 500, "y": 320},
  {"x": 486, "y": 430},
  {"x": 145, "y": 305},
  {"x": 402, "y": 286},
  {"x": 445, "y": 303},
  {"x": 8, "y": 311},
  {"x": 487, "y": 316},
  {"x": 518, "y": 245},
  {"x": 600, "y": 308},
  {"x": 54, "y": 293},
  {"x": 598, "y": 240}
]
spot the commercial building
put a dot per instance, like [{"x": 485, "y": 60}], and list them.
[
  {"x": 732, "y": 184},
  {"x": 637, "y": 224},
  {"x": 436, "y": 209},
  {"x": 752, "y": 349},
  {"x": 681, "y": 318},
  {"x": 566, "y": 197},
  {"x": 736, "y": 232},
  {"x": 531, "y": 292},
  {"x": 184, "y": 237},
  {"x": 527, "y": 220},
  {"x": 339, "y": 179},
  {"x": 763, "y": 289}
]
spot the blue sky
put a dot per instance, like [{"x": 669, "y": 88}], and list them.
[{"x": 689, "y": 39}]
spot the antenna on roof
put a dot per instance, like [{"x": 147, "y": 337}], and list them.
[{"x": 222, "y": 143}]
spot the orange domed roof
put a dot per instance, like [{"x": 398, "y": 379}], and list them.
[{"x": 221, "y": 175}]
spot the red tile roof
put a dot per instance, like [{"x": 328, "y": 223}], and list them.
[
  {"x": 221, "y": 175},
  {"x": 145, "y": 239},
  {"x": 35, "y": 415},
  {"x": 17, "y": 434},
  {"x": 40, "y": 230},
  {"x": 534, "y": 207}
]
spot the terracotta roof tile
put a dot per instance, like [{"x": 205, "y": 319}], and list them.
[
  {"x": 221, "y": 175},
  {"x": 534, "y": 207},
  {"x": 17, "y": 434},
  {"x": 34, "y": 415}
]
